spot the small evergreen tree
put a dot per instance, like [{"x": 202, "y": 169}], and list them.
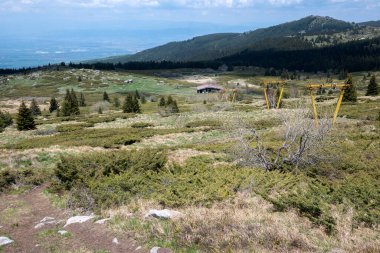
[
  {"x": 53, "y": 105},
  {"x": 82, "y": 101},
  {"x": 143, "y": 100},
  {"x": 174, "y": 107},
  {"x": 25, "y": 120},
  {"x": 116, "y": 102},
  {"x": 5, "y": 120},
  {"x": 162, "y": 102},
  {"x": 74, "y": 103},
  {"x": 106, "y": 97},
  {"x": 350, "y": 94},
  {"x": 372, "y": 89},
  {"x": 100, "y": 110},
  {"x": 137, "y": 95},
  {"x": 34, "y": 108},
  {"x": 128, "y": 106},
  {"x": 136, "y": 105},
  {"x": 169, "y": 101}
]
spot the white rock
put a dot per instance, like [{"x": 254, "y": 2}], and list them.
[
  {"x": 163, "y": 214},
  {"x": 102, "y": 221},
  {"x": 154, "y": 250},
  {"x": 62, "y": 232},
  {"x": 45, "y": 221},
  {"x": 78, "y": 219},
  {"x": 115, "y": 241},
  {"x": 5, "y": 240},
  {"x": 138, "y": 248}
]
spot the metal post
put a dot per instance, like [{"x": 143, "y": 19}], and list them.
[
  {"x": 280, "y": 97},
  {"x": 338, "y": 104},
  {"x": 314, "y": 107},
  {"x": 266, "y": 96}
]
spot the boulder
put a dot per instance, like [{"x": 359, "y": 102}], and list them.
[
  {"x": 163, "y": 214},
  {"x": 5, "y": 240},
  {"x": 45, "y": 221},
  {"x": 78, "y": 219}
]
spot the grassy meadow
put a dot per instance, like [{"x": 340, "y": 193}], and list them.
[{"x": 121, "y": 165}]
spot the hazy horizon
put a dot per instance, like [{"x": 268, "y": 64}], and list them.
[{"x": 36, "y": 32}]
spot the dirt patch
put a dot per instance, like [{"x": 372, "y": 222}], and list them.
[
  {"x": 181, "y": 155},
  {"x": 24, "y": 211}
]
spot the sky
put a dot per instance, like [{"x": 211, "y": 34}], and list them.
[
  {"x": 128, "y": 26},
  {"x": 41, "y": 16}
]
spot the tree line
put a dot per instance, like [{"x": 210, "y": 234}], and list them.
[{"x": 352, "y": 56}]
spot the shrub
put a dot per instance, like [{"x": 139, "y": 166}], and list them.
[
  {"x": 25, "y": 120},
  {"x": 5, "y": 120},
  {"x": 202, "y": 123},
  {"x": 141, "y": 125},
  {"x": 73, "y": 127}
]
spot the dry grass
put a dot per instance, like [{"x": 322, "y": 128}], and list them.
[{"x": 245, "y": 224}]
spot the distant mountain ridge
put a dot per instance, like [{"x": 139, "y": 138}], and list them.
[{"x": 306, "y": 33}]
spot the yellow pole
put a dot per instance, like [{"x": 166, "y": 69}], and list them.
[
  {"x": 234, "y": 95},
  {"x": 314, "y": 107},
  {"x": 266, "y": 96},
  {"x": 280, "y": 97},
  {"x": 338, "y": 105}
]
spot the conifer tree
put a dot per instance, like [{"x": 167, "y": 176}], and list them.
[
  {"x": 74, "y": 103},
  {"x": 34, "y": 108},
  {"x": 128, "y": 104},
  {"x": 137, "y": 95},
  {"x": 25, "y": 120},
  {"x": 116, "y": 102},
  {"x": 143, "y": 100},
  {"x": 136, "y": 105},
  {"x": 162, "y": 102},
  {"x": 100, "y": 110},
  {"x": 106, "y": 97},
  {"x": 169, "y": 101},
  {"x": 82, "y": 100},
  {"x": 174, "y": 107},
  {"x": 372, "y": 89},
  {"x": 53, "y": 105},
  {"x": 5, "y": 120},
  {"x": 350, "y": 94}
]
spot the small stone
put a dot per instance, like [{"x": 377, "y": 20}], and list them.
[
  {"x": 154, "y": 250},
  {"x": 163, "y": 214},
  {"x": 115, "y": 241},
  {"x": 78, "y": 219},
  {"x": 102, "y": 221},
  {"x": 138, "y": 248},
  {"x": 62, "y": 232},
  {"x": 5, "y": 240},
  {"x": 47, "y": 219}
]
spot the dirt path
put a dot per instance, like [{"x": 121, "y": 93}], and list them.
[{"x": 19, "y": 214}]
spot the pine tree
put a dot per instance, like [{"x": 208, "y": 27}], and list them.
[
  {"x": 174, "y": 107},
  {"x": 25, "y": 120},
  {"x": 372, "y": 89},
  {"x": 162, "y": 102},
  {"x": 34, "y": 108},
  {"x": 82, "y": 101},
  {"x": 116, "y": 102},
  {"x": 169, "y": 101},
  {"x": 143, "y": 100},
  {"x": 128, "y": 104},
  {"x": 106, "y": 97},
  {"x": 350, "y": 94},
  {"x": 100, "y": 110},
  {"x": 137, "y": 95},
  {"x": 5, "y": 120},
  {"x": 74, "y": 103},
  {"x": 136, "y": 105},
  {"x": 53, "y": 105}
]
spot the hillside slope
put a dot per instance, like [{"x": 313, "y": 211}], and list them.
[{"x": 289, "y": 35}]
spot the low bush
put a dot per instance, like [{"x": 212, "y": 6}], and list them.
[
  {"x": 204, "y": 123},
  {"x": 141, "y": 125},
  {"x": 73, "y": 127}
]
